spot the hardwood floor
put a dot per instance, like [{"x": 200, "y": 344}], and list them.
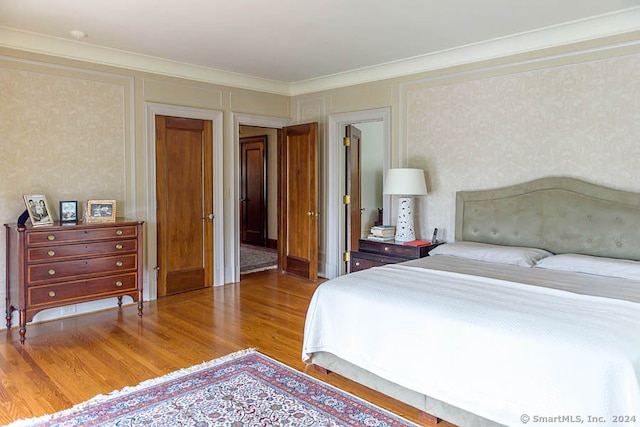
[{"x": 65, "y": 362}]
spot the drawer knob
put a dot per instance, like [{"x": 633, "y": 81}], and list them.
[
  {"x": 386, "y": 248},
  {"x": 119, "y": 263},
  {"x": 52, "y": 272},
  {"x": 51, "y": 253},
  {"x": 118, "y": 246},
  {"x": 119, "y": 283},
  {"x": 357, "y": 264},
  {"x": 52, "y": 294},
  {"x": 51, "y": 237},
  {"x": 119, "y": 232}
]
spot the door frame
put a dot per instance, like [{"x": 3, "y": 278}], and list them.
[
  {"x": 151, "y": 201},
  {"x": 232, "y": 269},
  {"x": 335, "y": 219}
]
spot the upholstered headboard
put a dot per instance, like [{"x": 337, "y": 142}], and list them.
[{"x": 560, "y": 214}]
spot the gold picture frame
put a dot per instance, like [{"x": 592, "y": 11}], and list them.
[
  {"x": 39, "y": 209},
  {"x": 100, "y": 211}
]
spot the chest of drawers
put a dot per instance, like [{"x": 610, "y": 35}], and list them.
[
  {"x": 373, "y": 253},
  {"x": 59, "y": 265}
]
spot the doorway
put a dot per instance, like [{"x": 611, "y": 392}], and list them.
[
  {"x": 336, "y": 225},
  {"x": 245, "y": 125},
  {"x": 258, "y": 198}
]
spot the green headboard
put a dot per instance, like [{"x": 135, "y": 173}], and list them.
[{"x": 559, "y": 214}]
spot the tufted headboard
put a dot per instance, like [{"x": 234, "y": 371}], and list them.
[{"x": 559, "y": 214}]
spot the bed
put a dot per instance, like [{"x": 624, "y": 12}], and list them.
[{"x": 531, "y": 315}]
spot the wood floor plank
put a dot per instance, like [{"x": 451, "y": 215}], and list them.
[{"x": 68, "y": 361}]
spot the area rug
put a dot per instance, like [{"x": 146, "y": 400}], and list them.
[
  {"x": 242, "y": 389},
  {"x": 254, "y": 259}
]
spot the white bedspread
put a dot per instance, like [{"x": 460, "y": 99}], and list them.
[{"x": 499, "y": 349}]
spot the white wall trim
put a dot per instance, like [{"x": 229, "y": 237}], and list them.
[
  {"x": 335, "y": 181},
  {"x": 232, "y": 268},
  {"x": 592, "y": 28},
  {"x": 153, "y": 109}
]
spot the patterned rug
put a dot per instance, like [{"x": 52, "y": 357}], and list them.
[
  {"x": 239, "y": 390},
  {"x": 253, "y": 259}
]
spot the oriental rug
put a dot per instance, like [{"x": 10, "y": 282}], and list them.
[{"x": 239, "y": 390}]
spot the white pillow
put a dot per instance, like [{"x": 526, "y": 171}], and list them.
[
  {"x": 593, "y": 265},
  {"x": 515, "y": 255}
]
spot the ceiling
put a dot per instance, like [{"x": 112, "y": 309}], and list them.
[{"x": 295, "y": 46}]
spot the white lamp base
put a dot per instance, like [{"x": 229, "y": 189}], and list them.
[{"x": 404, "y": 227}]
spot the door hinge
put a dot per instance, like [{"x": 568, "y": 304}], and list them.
[
  {"x": 346, "y": 257},
  {"x": 346, "y": 199},
  {"x": 346, "y": 141}
]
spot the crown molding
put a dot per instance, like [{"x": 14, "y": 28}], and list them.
[
  {"x": 71, "y": 49},
  {"x": 613, "y": 24}
]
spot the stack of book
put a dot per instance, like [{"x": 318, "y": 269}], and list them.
[{"x": 382, "y": 233}]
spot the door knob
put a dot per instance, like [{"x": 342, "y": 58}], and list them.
[{"x": 209, "y": 217}]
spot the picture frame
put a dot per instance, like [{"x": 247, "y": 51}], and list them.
[
  {"x": 39, "y": 209},
  {"x": 100, "y": 211},
  {"x": 68, "y": 211}
]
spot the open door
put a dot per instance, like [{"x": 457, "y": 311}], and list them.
[
  {"x": 298, "y": 201},
  {"x": 353, "y": 207}
]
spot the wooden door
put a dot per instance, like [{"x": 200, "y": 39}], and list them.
[
  {"x": 253, "y": 190},
  {"x": 184, "y": 191},
  {"x": 298, "y": 201},
  {"x": 353, "y": 208}
]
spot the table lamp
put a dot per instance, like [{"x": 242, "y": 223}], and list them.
[{"x": 405, "y": 182}]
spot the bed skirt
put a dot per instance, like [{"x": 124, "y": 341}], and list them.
[{"x": 424, "y": 403}]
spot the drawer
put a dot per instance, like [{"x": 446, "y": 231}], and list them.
[
  {"x": 70, "y": 292},
  {"x": 63, "y": 270},
  {"x": 358, "y": 264},
  {"x": 408, "y": 252},
  {"x": 80, "y": 235},
  {"x": 49, "y": 253}
]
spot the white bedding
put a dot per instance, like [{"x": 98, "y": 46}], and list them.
[{"x": 497, "y": 348}]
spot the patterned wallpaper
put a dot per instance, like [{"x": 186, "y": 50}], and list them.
[
  {"x": 61, "y": 136},
  {"x": 579, "y": 120}
]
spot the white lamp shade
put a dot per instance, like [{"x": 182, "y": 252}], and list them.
[{"x": 405, "y": 182}]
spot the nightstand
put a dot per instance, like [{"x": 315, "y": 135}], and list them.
[{"x": 372, "y": 253}]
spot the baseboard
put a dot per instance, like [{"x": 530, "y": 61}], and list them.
[{"x": 272, "y": 243}]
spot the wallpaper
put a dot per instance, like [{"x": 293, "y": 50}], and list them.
[
  {"x": 580, "y": 120},
  {"x": 62, "y": 137}
]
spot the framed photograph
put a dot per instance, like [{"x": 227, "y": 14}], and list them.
[
  {"x": 101, "y": 211},
  {"x": 40, "y": 212},
  {"x": 68, "y": 211}
]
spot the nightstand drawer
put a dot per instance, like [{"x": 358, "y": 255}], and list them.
[
  {"x": 391, "y": 248},
  {"x": 364, "y": 260},
  {"x": 358, "y": 264}
]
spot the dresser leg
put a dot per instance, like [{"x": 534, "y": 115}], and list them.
[
  {"x": 8, "y": 314},
  {"x": 120, "y": 301},
  {"x": 23, "y": 325},
  {"x": 140, "y": 307}
]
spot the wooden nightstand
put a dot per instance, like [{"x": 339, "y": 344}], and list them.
[{"x": 372, "y": 253}]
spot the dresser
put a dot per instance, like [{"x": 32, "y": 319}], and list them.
[
  {"x": 58, "y": 265},
  {"x": 372, "y": 253}
]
